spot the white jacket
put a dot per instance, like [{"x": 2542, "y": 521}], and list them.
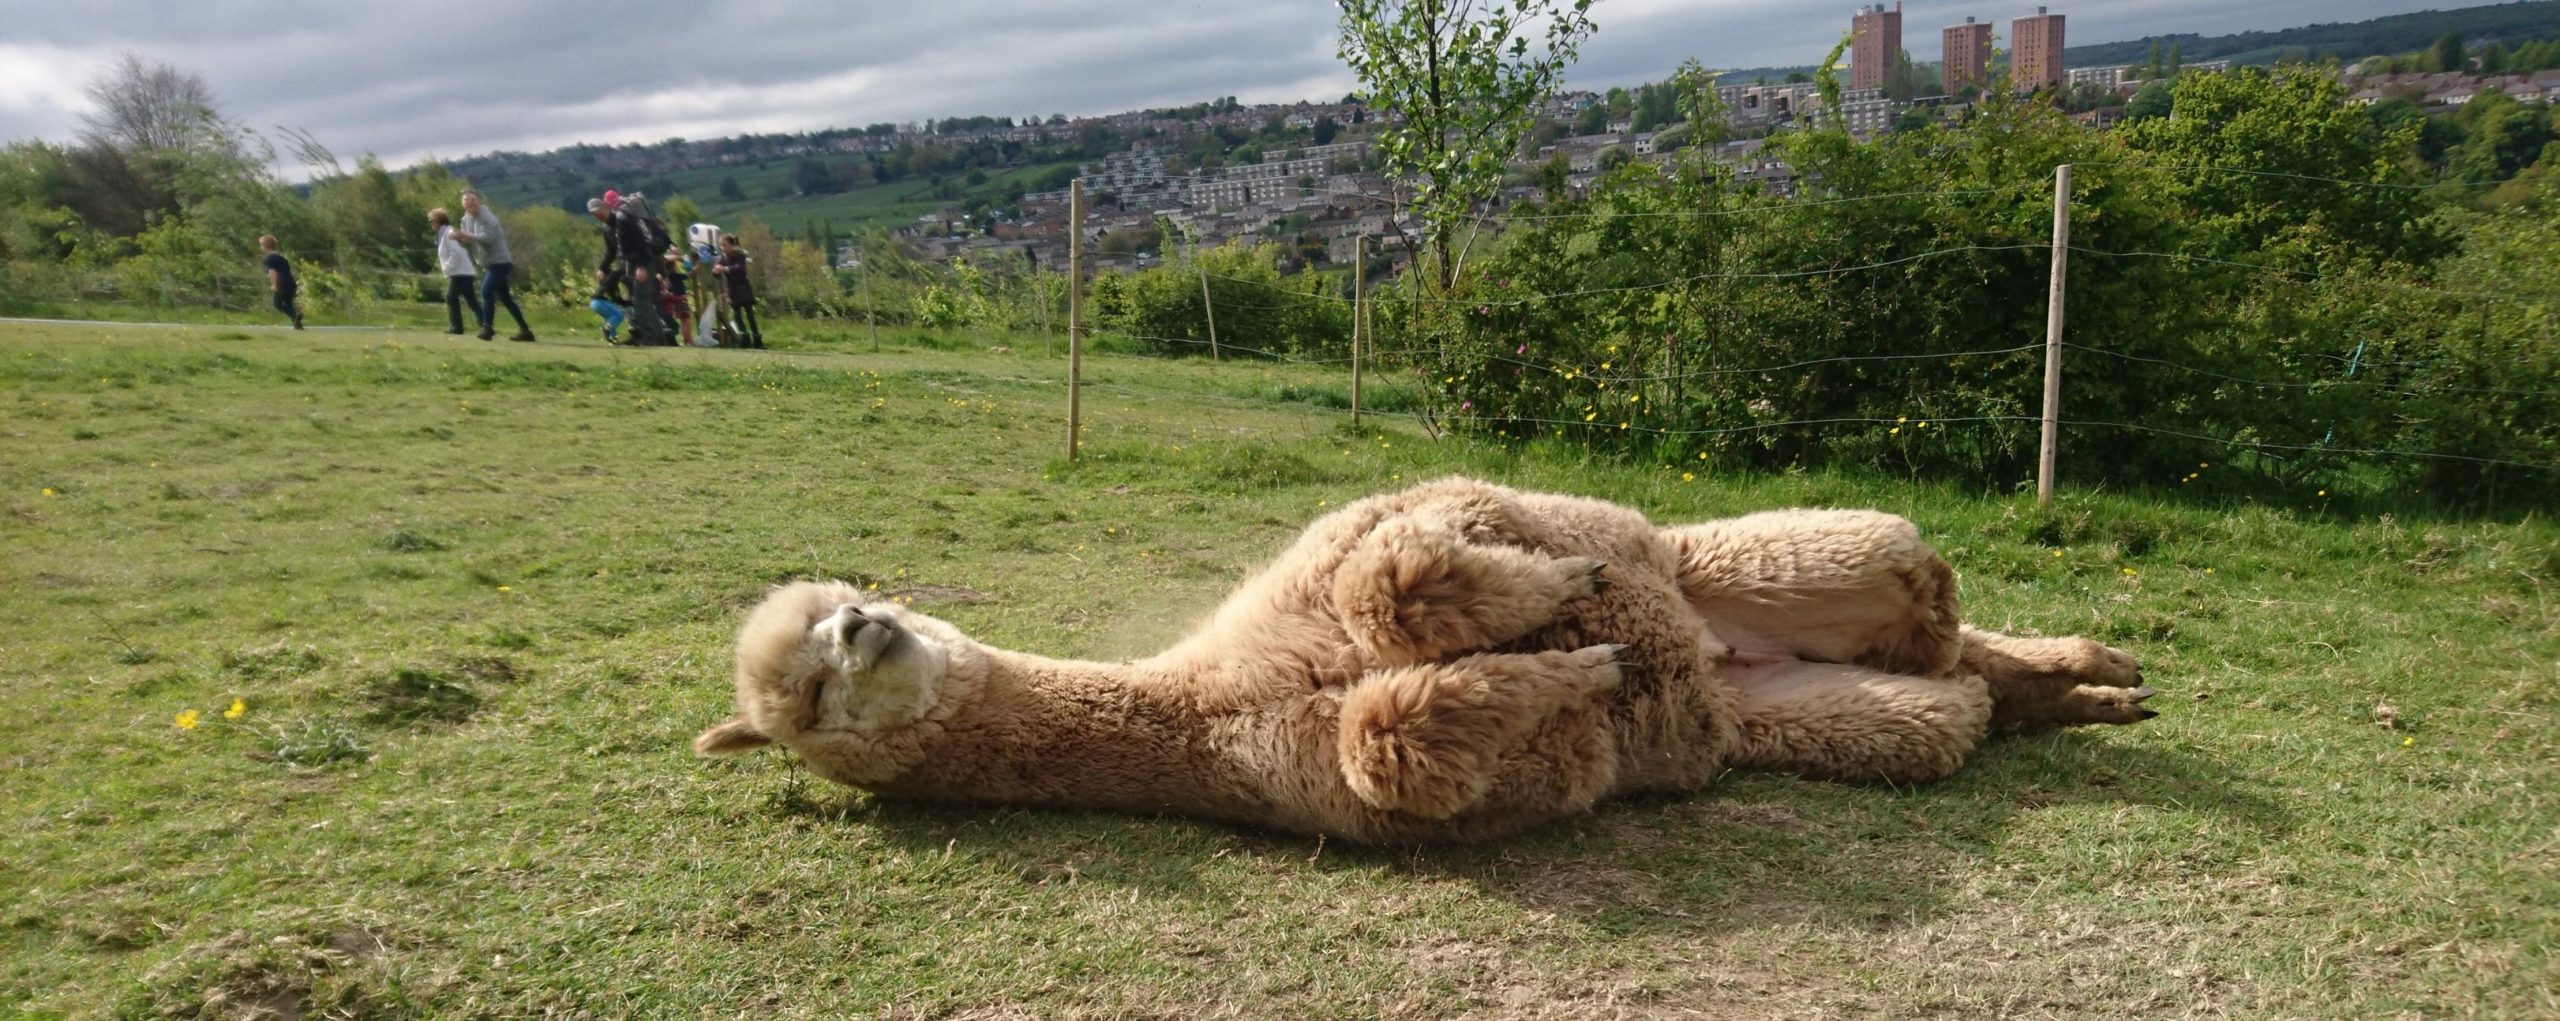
[{"x": 454, "y": 259}]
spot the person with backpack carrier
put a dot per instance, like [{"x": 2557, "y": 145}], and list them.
[{"x": 635, "y": 239}]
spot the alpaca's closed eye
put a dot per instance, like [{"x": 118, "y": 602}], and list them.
[{"x": 817, "y": 699}]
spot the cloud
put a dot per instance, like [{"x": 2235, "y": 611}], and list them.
[
  {"x": 469, "y": 76},
  {"x": 41, "y": 85}
]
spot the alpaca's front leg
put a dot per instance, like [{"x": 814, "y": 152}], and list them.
[
  {"x": 1416, "y": 590},
  {"x": 1428, "y": 740}
]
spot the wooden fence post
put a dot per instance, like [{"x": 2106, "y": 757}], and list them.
[
  {"x": 1075, "y": 312},
  {"x": 862, "y": 258},
  {"x": 1359, "y": 315},
  {"x": 2053, "y": 335},
  {"x": 1201, "y": 263}
]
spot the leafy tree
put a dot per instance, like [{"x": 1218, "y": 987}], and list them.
[
  {"x": 2149, "y": 102},
  {"x": 146, "y": 119},
  {"x": 681, "y": 212},
  {"x": 1904, "y": 81},
  {"x": 1593, "y": 120},
  {"x": 2501, "y": 137},
  {"x": 2264, "y": 154},
  {"x": 1325, "y": 130},
  {"x": 1693, "y": 93},
  {"x": 812, "y": 177},
  {"x": 2446, "y": 55},
  {"x": 1552, "y": 177},
  {"x": 1467, "y": 82},
  {"x": 729, "y": 190}
]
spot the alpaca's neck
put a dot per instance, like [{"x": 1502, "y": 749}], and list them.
[{"x": 1020, "y": 729}]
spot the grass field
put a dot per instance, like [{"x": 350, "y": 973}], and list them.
[{"x": 351, "y": 675}]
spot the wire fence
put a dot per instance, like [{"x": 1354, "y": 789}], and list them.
[{"x": 1401, "y": 356}]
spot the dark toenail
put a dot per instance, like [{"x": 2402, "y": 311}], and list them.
[
  {"x": 2142, "y": 693},
  {"x": 2146, "y": 713}
]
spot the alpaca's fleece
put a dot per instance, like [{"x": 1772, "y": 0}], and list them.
[{"x": 1451, "y": 662}]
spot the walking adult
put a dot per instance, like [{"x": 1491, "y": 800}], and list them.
[
  {"x": 487, "y": 237},
  {"x": 631, "y": 253}
]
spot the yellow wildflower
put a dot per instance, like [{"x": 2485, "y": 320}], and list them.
[
  {"x": 239, "y": 708},
  {"x": 2129, "y": 572},
  {"x": 48, "y": 491},
  {"x": 506, "y": 588},
  {"x": 1895, "y": 431},
  {"x": 2057, "y": 554},
  {"x": 186, "y": 720},
  {"x": 1688, "y": 476},
  {"x": 2407, "y": 741}
]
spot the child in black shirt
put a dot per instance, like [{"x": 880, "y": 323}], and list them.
[{"x": 280, "y": 280}]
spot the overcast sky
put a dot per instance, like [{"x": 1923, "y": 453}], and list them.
[{"x": 460, "y": 77}]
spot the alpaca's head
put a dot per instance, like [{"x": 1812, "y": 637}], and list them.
[{"x": 831, "y": 677}]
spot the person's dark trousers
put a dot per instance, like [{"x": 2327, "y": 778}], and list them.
[
  {"x": 284, "y": 304},
  {"x": 459, "y": 292},
  {"x": 649, "y": 325},
  {"x": 742, "y": 321},
  {"x": 494, "y": 292}
]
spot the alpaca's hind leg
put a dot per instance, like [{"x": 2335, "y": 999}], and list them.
[
  {"x": 1834, "y": 586},
  {"x": 1428, "y": 740},
  {"x": 1415, "y": 590},
  {"x": 2055, "y": 682},
  {"x": 1835, "y": 722}
]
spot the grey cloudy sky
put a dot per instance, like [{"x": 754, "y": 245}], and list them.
[{"x": 458, "y": 77}]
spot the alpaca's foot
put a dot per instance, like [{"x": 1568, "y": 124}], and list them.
[
  {"x": 1430, "y": 740},
  {"x": 1417, "y": 591},
  {"x": 2095, "y": 704},
  {"x": 2093, "y": 662},
  {"x": 2056, "y": 682},
  {"x": 1584, "y": 576},
  {"x": 1599, "y": 664}
]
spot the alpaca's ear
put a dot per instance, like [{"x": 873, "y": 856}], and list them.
[{"x": 730, "y": 738}]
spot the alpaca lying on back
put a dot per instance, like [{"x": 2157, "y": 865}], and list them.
[{"x": 1456, "y": 661}]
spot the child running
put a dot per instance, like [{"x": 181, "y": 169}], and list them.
[{"x": 280, "y": 280}]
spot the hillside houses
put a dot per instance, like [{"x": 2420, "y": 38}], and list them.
[{"x": 2453, "y": 88}]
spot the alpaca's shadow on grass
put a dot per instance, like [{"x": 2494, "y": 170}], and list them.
[{"x": 1748, "y": 850}]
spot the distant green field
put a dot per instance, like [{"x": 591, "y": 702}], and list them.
[
  {"x": 886, "y": 205},
  {"x": 351, "y": 675}
]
